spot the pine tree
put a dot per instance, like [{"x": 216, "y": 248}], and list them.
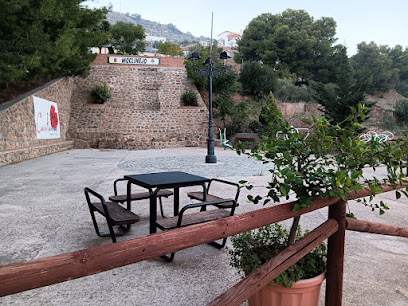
[
  {"x": 47, "y": 39},
  {"x": 344, "y": 95}
]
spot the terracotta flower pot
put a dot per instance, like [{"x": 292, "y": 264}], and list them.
[{"x": 303, "y": 293}]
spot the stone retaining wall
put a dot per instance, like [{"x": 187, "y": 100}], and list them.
[
  {"x": 144, "y": 110},
  {"x": 18, "y": 139}
]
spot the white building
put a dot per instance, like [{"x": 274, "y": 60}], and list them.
[
  {"x": 150, "y": 38},
  {"x": 228, "y": 39}
]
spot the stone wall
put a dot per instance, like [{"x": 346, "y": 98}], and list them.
[
  {"x": 144, "y": 110},
  {"x": 18, "y": 140}
]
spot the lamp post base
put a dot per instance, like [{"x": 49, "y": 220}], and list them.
[{"x": 211, "y": 159}]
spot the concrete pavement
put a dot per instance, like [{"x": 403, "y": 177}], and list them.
[{"x": 43, "y": 213}]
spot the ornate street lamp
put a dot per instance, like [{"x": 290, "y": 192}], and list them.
[{"x": 210, "y": 72}]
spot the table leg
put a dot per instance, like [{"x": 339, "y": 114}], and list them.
[
  {"x": 176, "y": 200},
  {"x": 153, "y": 210},
  {"x": 204, "y": 208},
  {"x": 128, "y": 201}
]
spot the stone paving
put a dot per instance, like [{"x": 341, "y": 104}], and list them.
[{"x": 43, "y": 213}]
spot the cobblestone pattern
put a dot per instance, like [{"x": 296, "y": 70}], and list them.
[
  {"x": 144, "y": 110},
  {"x": 18, "y": 139}
]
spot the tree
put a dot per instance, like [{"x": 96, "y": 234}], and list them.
[
  {"x": 224, "y": 82},
  {"x": 104, "y": 29},
  {"x": 338, "y": 100},
  {"x": 373, "y": 63},
  {"x": 127, "y": 38},
  {"x": 47, "y": 39},
  {"x": 292, "y": 41},
  {"x": 257, "y": 80},
  {"x": 169, "y": 48},
  {"x": 399, "y": 59}
]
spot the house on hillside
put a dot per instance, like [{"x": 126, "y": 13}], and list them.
[
  {"x": 228, "y": 39},
  {"x": 153, "y": 40}
]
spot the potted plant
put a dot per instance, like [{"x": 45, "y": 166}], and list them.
[
  {"x": 189, "y": 98},
  {"x": 327, "y": 159},
  {"x": 100, "y": 93},
  {"x": 252, "y": 249}
]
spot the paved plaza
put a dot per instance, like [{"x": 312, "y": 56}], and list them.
[{"x": 43, "y": 213}]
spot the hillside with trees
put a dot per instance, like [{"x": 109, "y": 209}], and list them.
[
  {"x": 292, "y": 57},
  {"x": 170, "y": 31}
]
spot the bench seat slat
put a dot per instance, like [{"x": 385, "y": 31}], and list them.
[
  {"x": 199, "y": 196},
  {"x": 194, "y": 218},
  {"x": 117, "y": 213},
  {"x": 139, "y": 196}
]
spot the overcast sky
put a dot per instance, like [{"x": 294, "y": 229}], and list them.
[{"x": 384, "y": 22}]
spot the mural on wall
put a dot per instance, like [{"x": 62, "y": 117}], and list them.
[{"x": 47, "y": 125}]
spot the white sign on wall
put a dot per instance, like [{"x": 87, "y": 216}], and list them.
[
  {"x": 133, "y": 60},
  {"x": 47, "y": 124}
]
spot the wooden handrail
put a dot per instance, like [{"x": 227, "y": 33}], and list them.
[
  {"x": 55, "y": 269},
  {"x": 270, "y": 270},
  {"x": 375, "y": 228}
]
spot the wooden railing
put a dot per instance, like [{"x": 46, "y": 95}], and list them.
[{"x": 51, "y": 270}]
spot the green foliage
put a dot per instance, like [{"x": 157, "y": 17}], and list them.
[
  {"x": 47, "y": 39},
  {"x": 223, "y": 83},
  {"x": 399, "y": 59},
  {"x": 100, "y": 93},
  {"x": 291, "y": 41},
  {"x": 128, "y": 38},
  {"x": 235, "y": 117},
  {"x": 401, "y": 111},
  {"x": 326, "y": 161},
  {"x": 373, "y": 63},
  {"x": 388, "y": 123},
  {"x": 287, "y": 91},
  {"x": 252, "y": 249},
  {"x": 224, "y": 107},
  {"x": 402, "y": 88},
  {"x": 189, "y": 98},
  {"x": 340, "y": 98},
  {"x": 169, "y": 48},
  {"x": 257, "y": 80},
  {"x": 239, "y": 118}
]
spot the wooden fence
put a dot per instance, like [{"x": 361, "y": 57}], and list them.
[{"x": 55, "y": 269}]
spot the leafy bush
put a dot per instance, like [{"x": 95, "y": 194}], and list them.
[
  {"x": 235, "y": 117},
  {"x": 387, "y": 123},
  {"x": 100, "y": 93},
  {"x": 257, "y": 80},
  {"x": 189, "y": 98},
  {"x": 239, "y": 118},
  {"x": 287, "y": 91},
  {"x": 402, "y": 88},
  {"x": 401, "y": 111},
  {"x": 252, "y": 249}
]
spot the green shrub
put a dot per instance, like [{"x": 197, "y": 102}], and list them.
[
  {"x": 401, "y": 111},
  {"x": 287, "y": 91},
  {"x": 402, "y": 88},
  {"x": 257, "y": 80},
  {"x": 189, "y": 98},
  {"x": 100, "y": 93},
  {"x": 252, "y": 249},
  {"x": 388, "y": 123}
]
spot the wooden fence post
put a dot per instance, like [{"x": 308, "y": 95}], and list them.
[{"x": 335, "y": 256}]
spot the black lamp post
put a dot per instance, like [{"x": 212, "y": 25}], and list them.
[{"x": 210, "y": 71}]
